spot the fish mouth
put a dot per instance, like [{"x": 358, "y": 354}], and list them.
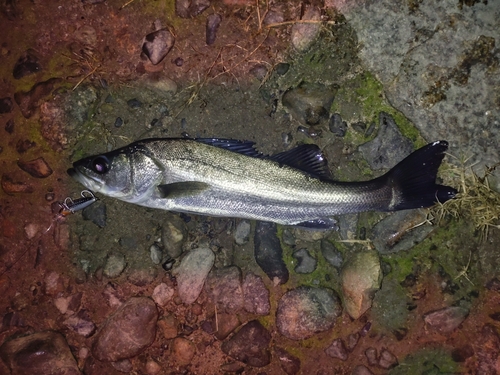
[{"x": 84, "y": 180}]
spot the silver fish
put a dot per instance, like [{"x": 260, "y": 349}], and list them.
[{"x": 224, "y": 177}]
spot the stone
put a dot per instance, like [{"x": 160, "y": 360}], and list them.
[
  {"x": 242, "y": 232},
  {"x": 250, "y": 345},
  {"x": 268, "y": 252},
  {"x": 256, "y": 295},
  {"x": 115, "y": 264},
  {"x": 331, "y": 254},
  {"x": 387, "y": 360},
  {"x": 303, "y": 34},
  {"x": 337, "y": 350},
  {"x": 39, "y": 353},
  {"x": 169, "y": 326},
  {"x": 305, "y": 310},
  {"x": 96, "y": 213},
  {"x": 213, "y": 22},
  {"x": 128, "y": 331},
  {"x": 192, "y": 273},
  {"x": 157, "y": 45},
  {"x": 289, "y": 363},
  {"x": 81, "y": 324},
  {"x": 447, "y": 319},
  {"x": 162, "y": 293},
  {"x": 36, "y": 168},
  {"x": 183, "y": 351},
  {"x": 223, "y": 288},
  {"x": 10, "y": 186},
  {"x": 305, "y": 262},
  {"x": 361, "y": 277},
  {"x": 29, "y": 101},
  {"x": 26, "y": 64},
  {"x": 224, "y": 324},
  {"x": 173, "y": 234},
  {"x": 190, "y": 8},
  {"x": 6, "y": 105},
  {"x": 337, "y": 126},
  {"x": 361, "y": 370}
]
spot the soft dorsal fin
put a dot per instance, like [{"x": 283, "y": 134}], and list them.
[
  {"x": 241, "y": 147},
  {"x": 308, "y": 158}
]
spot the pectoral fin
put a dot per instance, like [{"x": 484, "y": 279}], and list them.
[{"x": 182, "y": 189}]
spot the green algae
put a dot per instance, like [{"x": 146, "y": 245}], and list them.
[{"x": 427, "y": 361}]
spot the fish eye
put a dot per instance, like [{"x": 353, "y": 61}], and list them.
[{"x": 100, "y": 164}]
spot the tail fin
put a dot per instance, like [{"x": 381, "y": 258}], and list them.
[{"x": 413, "y": 180}]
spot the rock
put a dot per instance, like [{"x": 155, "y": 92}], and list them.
[
  {"x": 153, "y": 367},
  {"x": 127, "y": 332},
  {"x": 289, "y": 363},
  {"x": 157, "y": 45},
  {"x": 37, "y": 167},
  {"x": 115, "y": 264},
  {"x": 242, "y": 232},
  {"x": 213, "y": 22},
  {"x": 250, "y": 345},
  {"x": 388, "y": 146},
  {"x": 190, "y": 8},
  {"x": 352, "y": 341},
  {"x": 223, "y": 325},
  {"x": 337, "y": 126},
  {"x": 192, "y": 272},
  {"x": 12, "y": 319},
  {"x": 29, "y": 101},
  {"x": 173, "y": 234},
  {"x": 371, "y": 356},
  {"x": 309, "y": 103},
  {"x": 81, "y": 324},
  {"x": 256, "y": 295},
  {"x": 26, "y": 64},
  {"x": 54, "y": 124},
  {"x": 162, "y": 294},
  {"x": 183, "y": 351},
  {"x": 96, "y": 213},
  {"x": 447, "y": 319},
  {"x": 6, "y": 105},
  {"x": 168, "y": 325},
  {"x": 134, "y": 103},
  {"x": 86, "y": 35},
  {"x": 24, "y": 145},
  {"x": 337, "y": 350},
  {"x": 303, "y": 34},
  {"x": 39, "y": 353},
  {"x": 53, "y": 284},
  {"x": 10, "y": 186},
  {"x": 390, "y": 306},
  {"x": 331, "y": 254},
  {"x": 304, "y": 311},
  {"x": 361, "y": 370},
  {"x": 9, "y": 126},
  {"x": 387, "y": 360},
  {"x": 69, "y": 305},
  {"x": 400, "y": 231},
  {"x": 142, "y": 276},
  {"x": 156, "y": 253},
  {"x": 306, "y": 263},
  {"x": 361, "y": 277},
  {"x": 223, "y": 288},
  {"x": 268, "y": 252}
]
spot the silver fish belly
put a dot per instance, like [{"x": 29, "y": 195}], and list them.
[{"x": 221, "y": 177}]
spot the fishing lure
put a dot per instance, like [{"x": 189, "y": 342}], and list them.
[{"x": 70, "y": 206}]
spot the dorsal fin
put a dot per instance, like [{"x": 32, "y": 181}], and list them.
[
  {"x": 308, "y": 158},
  {"x": 241, "y": 147}
]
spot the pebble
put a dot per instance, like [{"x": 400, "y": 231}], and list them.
[
  {"x": 213, "y": 22},
  {"x": 224, "y": 324},
  {"x": 152, "y": 367},
  {"x": 169, "y": 326},
  {"x": 387, "y": 360},
  {"x": 53, "y": 283},
  {"x": 31, "y": 230},
  {"x": 9, "y": 126},
  {"x": 123, "y": 365},
  {"x": 115, "y": 264},
  {"x": 242, "y": 232},
  {"x": 142, "y": 276},
  {"x": 337, "y": 350},
  {"x": 26, "y": 64},
  {"x": 306, "y": 263},
  {"x": 192, "y": 273},
  {"x": 173, "y": 234},
  {"x": 127, "y": 332},
  {"x": 134, "y": 103},
  {"x": 190, "y": 8},
  {"x": 118, "y": 122},
  {"x": 157, "y": 45},
  {"x": 352, "y": 340},
  {"x": 250, "y": 345},
  {"x": 337, "y": 126},
  {"x": 36, "y": 168},
  {"x": 289, "y": 363},
  {"x": 10, "y": 186},
  {"x": 282, "y": 68},
  {"x": 156, "y": 253},
  {"x": 268, "y": 252},
  {"x": 303, "y": 34},
  {"x": 29, "y": 101},
  {"x": 183, "y": 351},
  {"x": 256, "y": 295},
  {"x": 361, "y": 277},
  {"x": 81, "y": 324},
  {"x": 6, "y": 105},
  {"x": 331, "y": 254},
  {"x": 223, "y": 289},
  {"x": 361, "y": 370},
  {"x": 305, "y": 310},
  {"x": 179, "y": 61},
  {"x": 447, "y": 319},
  {"x": 162, "y": 293},
  {"x": 39, "y": 353}
]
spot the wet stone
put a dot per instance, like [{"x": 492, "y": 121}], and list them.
[
  {"x": 183, "y": 351},
  {"x": 331, "y": 254},
  {"x": 447, "y": 319},
  {"x": 304, "y": 311},
  {"x": 256, "y": 295},
  {"x": 242, "y": 233},
  {"x": 213, "y": 22},
  {"x": 10, "y": 186},
  {"x": 192, "y": 272},
  {"x": 156, "y": 253},
  {"x": 282, "y": 68},
  {"x": 289, "y": 363},
  {"x": 371, "y": 356},
  {"x": 6, "y": 105},
  {"x": 337, "y": 126},
  {"x": 173, "y": 234},
  {"x": 115, "y": 264},
  {"x": 223, "y": 325},
  {"x": 26, "y": 64},
  {"x": 134, "y": 103},
  {"x": 127, "y": 332},
  {"x": 39, "y": 353},
  {"x": 306, "y": 263},
  {"x": 162, "y": 293},
  {"x": 29, "y": 101},
  {"x": 223, "y": 288},
  {"x": 118, "y": 122},
  {"x": 37, "y": 167},
  {"x": 157, "y": 45},
  {"x": 250, "y": 345},
  {"x": 337, "y": 350},
  {"x": 268, "y": 252}
]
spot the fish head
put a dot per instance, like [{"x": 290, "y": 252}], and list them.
[{"x": 129, "y": 173}]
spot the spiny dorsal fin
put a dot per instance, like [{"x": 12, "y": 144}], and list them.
[{"x": 308, "y": 158}]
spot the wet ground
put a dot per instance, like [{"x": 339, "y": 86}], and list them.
[{"x": 77, "y": 81}]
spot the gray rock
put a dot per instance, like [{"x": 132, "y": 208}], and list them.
[
  {"x": 37, "y": 167},
  {"x": 115, "y": 264},
  {"x": 361, "y": 277},
  {"x": 388, "y": 146},
  {"x": 96, "y": 213},
  {"x": 348, "y": 224},
  {"x": 331, "y": 254},
  {"x": 447, "y": 319},
  {"x": 289, "y": 363},
  {"x": 303, "y": 34},
  {"x": 337, "y": 350},
  {"x": 390, "y": 306},
  {"x": 190, "y": 8},
  {"x": 156, "y": 253},
  {"x": 157, "y": 45},
  {"x": 304, "y": 311},
  {"x": 39, "y": 353},
  {"x": 223, "y": 288},
  {"x": 288, "y": 237},
  {"x": 400, "y": 231},
  {"x": 127, "y": 332},
  {"x": 306, "y": 263},
  {"x": 250, "y": 345},
  {"x": 268, "y": 252},
  {"x": 256, "y": 295},
  {"x": 352, "y": 341},
  {"x": 173, "y": 235},
  {"x": 213, "y": 22},
  {"x": 192, "y": 272},
  {"x": 242, "y": 232},
  {"x": 337, "y": 126}
]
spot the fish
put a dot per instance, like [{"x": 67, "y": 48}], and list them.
[{"x": 230, "y": 178}]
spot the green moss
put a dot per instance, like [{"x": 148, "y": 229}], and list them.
[{"x": 427, "y": 361}]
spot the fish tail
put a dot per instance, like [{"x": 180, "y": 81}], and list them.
[{"x": 413, "y": 180}]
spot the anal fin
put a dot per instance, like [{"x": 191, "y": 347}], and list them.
[{"x": 322, "y": 223}]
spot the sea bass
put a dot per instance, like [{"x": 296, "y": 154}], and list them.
[{"x": 225, "y": 177}]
